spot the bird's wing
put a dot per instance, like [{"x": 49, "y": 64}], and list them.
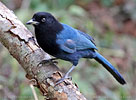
[
  {"x": 71, "y": 40},
  {"x": 67, "y": 45},
  {"x": 87, "y": 36}
]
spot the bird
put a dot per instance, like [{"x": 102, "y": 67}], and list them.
[{"x": 67, "y": 43}]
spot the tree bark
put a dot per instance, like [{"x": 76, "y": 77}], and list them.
[{"x": 23, "y": 47}]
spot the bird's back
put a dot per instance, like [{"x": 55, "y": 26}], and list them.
[{"x": 81, "y": 40}]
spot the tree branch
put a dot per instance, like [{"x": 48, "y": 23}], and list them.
[{"x": 15, "y": 37}]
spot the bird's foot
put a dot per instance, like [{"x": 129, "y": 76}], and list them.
[
  {"x": 63, "y": 79},
  {"x": 31, "y": 39},
  {"x": 48, "y": 61},
  {"x": 66, "y": 76}
]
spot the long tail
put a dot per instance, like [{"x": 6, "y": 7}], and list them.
[{"x": 110, "y": 68}]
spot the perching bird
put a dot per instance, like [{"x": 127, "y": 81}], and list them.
[{"x": 67, "y": 43}]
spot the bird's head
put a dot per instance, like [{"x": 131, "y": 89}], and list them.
[
  {"x": 42, "y": 18},
  {"x": 45, "y": 23}
]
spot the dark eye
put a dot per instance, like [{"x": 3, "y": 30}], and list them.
[{"x": 43, "y": 19}]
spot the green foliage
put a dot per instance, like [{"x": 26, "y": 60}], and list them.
[
  {"x": 107, "y": 3},
  {"x": 107, "y": 40},
  {"x": 51, "y": 4},
  {"x": 26, "y": 93},
  {"x": 76, "y": 10},
  {"x": 123, "y": 94}
]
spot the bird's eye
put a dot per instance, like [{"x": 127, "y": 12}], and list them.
[{"x": 43, "y": 19}]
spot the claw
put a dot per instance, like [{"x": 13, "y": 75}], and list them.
[
  {"x": 66, "y": 76},
  {"x": 55, "y": 62},
  {"x": 63, "y": 80},
  {"x": 48, "y": 61},
  {"x": 60, "y": 81}
]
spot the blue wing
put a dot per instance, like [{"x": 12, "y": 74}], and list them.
[
  {"x": 67, "y": 45},
  {"x": 87, "y": 36},
  {"x": 71, "y": 40}
]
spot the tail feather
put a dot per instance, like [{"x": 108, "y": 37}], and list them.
[{"x": 110, "y": 68}]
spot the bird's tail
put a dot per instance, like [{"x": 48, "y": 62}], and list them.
[{"x": 110, "y": 68}]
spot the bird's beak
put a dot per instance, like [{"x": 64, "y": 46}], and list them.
[{"x": 32, "y": 22}]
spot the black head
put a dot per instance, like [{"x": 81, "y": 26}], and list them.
[
  {"x": 40, "y": 18},
  {"x": 45, "y": 22},
  {"x": 46, "y": 29}
]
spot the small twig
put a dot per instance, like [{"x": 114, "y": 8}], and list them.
[{"x": 34, "y": 92}]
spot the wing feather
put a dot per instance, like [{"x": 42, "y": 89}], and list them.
[{"x": 71, "y": 40}]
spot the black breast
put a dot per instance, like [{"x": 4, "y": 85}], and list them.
[
  {"x": 46, "y": 36},
  {"x": 48, "y": 43}
]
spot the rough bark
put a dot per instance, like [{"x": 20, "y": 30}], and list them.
[{"x": 16, "y": 38}]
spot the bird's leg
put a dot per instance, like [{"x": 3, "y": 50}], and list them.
[
  {"x": 52, "y": 60},
  {"x": 66, "y": 76}
]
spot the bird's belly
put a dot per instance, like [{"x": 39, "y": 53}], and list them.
[
  {"x": 74, "y": 57},
  {"x": 52, "y": 50}
]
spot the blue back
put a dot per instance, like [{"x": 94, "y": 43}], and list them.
[{"x": 72, "y": 39}]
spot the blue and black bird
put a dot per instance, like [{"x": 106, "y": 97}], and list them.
[{"x": 64, "y": 42}]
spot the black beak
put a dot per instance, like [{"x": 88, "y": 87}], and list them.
[{"x": 32, "y": 22}]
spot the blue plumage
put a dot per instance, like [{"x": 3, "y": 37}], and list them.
[
  {"x": 109, "y": 67},
  {"x": 67, "y": 43},
  {"x": 76, "y": 37},
  {"x": 83, "y": 48}
]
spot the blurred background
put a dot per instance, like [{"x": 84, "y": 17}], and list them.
[{"x": 112, "y": 23}]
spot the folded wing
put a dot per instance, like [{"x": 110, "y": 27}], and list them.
[{"x": 70, "y": 40}]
